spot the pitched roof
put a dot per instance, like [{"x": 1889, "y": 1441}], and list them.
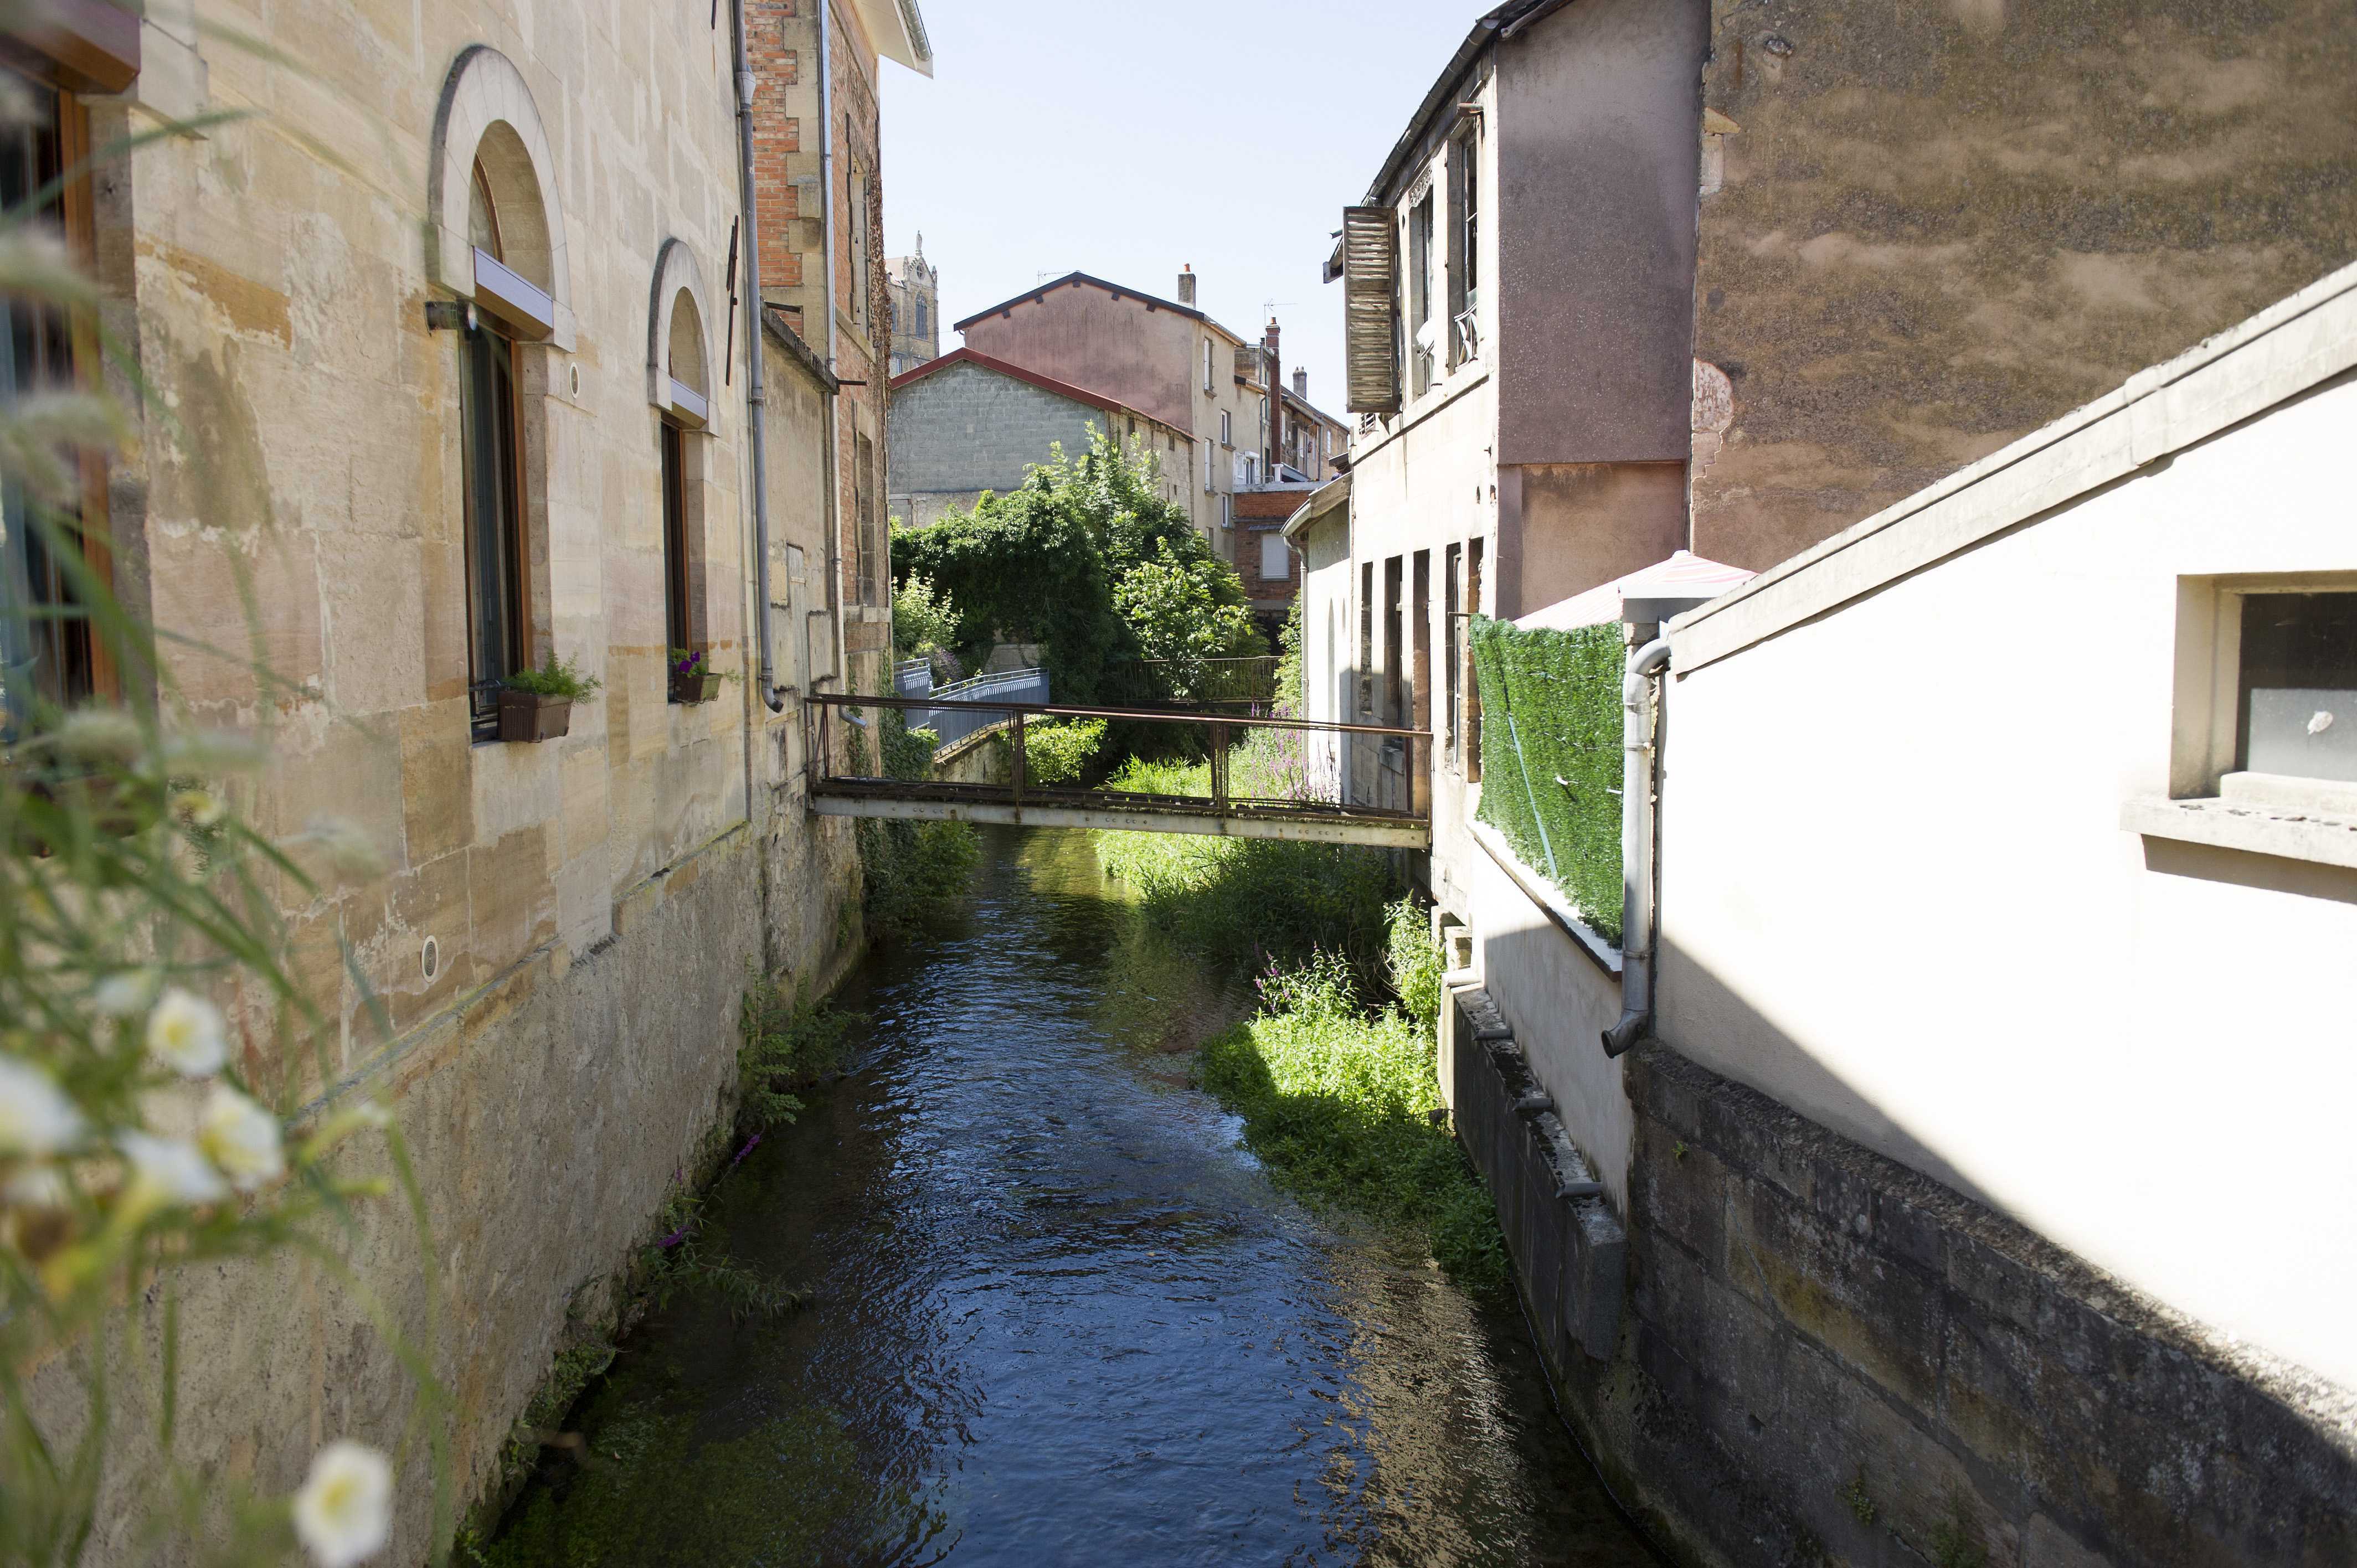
[
  {"x": 1040, "y": 296},
  {"x": 1684, "y": 576},
  {"x": 1034, "y": 378}
]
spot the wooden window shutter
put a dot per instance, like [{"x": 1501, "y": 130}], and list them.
[{"x": 1369, "y": 309}]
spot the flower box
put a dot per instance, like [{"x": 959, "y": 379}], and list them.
[
  {"x": 700, "y": 686},
  {"x": 532, "y": 717}
]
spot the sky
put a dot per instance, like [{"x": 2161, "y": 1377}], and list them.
[{"x": 1125, "y": 138}]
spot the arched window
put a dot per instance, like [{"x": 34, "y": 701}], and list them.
[
  {"x": 678, "y": 384},
  {"x": 500, "y": 245}
]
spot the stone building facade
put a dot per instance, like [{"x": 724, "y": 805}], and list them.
[
  {"x": 964, "y": 425},
  {"x": 916, "y": 310},
  {"x": 441, "y": 371},
  {"x": 1165, "y": 358},
  {"x": 1828, "y": 1271}
]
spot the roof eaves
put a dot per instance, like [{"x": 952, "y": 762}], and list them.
[
  {"x": 1040, "y": 296},
  {"x": 1044, "y": 382},
  {"x": 1487, "y": 31}
]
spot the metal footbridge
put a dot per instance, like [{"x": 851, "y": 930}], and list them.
[{"x": 1268, "y": 779}]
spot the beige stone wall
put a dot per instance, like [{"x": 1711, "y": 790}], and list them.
[{"x": 595, "y": 902}]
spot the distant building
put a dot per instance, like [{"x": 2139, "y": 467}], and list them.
[
  {"x": 966, "y": 422},
  {"x": 916, "y": 295},
  {"x": 1164, "y": 357}
]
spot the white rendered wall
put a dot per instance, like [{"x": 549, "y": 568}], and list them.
[{"x": 1896, "y": 894}]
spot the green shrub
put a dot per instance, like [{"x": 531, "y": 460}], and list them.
[
  {"x": 786, "y": 1042},
  {"x": 1551, "y": 757},
  {"x": 1338, "y": 1104},
  {"x": 911, "y": 873},
  {"x": 1041, "y": 563},
  {"x": 924, "y": 622},
  {"x": 1239, "y": 900},
  {"x": 1413, "y": 960},
  {"x": 1058, "y": 751},
  {"x": 556, "y": 679}
]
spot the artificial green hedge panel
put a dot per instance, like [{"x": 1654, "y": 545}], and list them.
[{"x": 1551, "y": 755}]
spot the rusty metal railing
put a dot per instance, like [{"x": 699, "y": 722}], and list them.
[{"x": 1265, "y": 777}]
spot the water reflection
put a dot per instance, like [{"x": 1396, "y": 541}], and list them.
[{"x": 1061, "y": 1316}]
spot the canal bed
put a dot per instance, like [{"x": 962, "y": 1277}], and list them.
[{"x": 1058, "y": 1315}]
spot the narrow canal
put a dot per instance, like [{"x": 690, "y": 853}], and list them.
[{"x": 1058, "y": 1315}]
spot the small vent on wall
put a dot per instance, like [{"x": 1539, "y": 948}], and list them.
[{"x": 429, "y": 959}]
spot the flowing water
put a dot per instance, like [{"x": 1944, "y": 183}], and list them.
[{"x": 1059, "y": 1317}]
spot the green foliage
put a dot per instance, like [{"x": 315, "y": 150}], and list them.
[
  {"x": 678, "y": 1262},
  {"x": 1292, "y": 692},
  {"x": 924, "y": 622},
  {"x": 1174, "y": 607},
  {"x": 1858, "y": 1500},
  {"x": 1235, "y": 899},
  {"x": 1058, "y": 751},
  {"x": 1955, "y": 1543},
  {"x": 1338, "y": 1105},
  {"x": 555, "y": 678},
  {"x": 1041, "y": 563},
  {"x": 911, "y": 873},
  {"x": 655, "y": 1490},
  {"x": 786, "y": 1041},
  {"x": 1551, "y": 757},
  {"x": 1414, "y": 959}
]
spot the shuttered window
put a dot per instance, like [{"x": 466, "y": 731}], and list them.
[{"x": 1371, "y": 310}]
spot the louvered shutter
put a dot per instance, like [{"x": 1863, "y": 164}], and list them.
[{"x": 1371, "y": 310}]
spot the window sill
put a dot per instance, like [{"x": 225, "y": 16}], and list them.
[{"x": 2289, "y": 819}]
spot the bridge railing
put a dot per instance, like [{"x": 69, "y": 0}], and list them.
[
  {"x": 1256, "y": 765},
  {"x": 955, "y": 711}
]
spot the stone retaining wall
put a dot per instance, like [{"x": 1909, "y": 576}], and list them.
[{"x": 1824, "y": 1356}]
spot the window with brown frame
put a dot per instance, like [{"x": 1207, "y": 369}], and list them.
[
  {"x": 678, "y": 619},
  {"x": 54, "y": 552},
  {"x": 493, "y": 460}
]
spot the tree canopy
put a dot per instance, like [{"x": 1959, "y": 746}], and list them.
[{"x": 1057, "y": 561}]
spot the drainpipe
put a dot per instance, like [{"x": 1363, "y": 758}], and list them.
[
  {"x": 1637, "y": 847},
  {"x": 834, "y": 403},
  {"x": 756, "y": 395}
]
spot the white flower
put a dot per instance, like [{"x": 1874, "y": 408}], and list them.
[
  {"x": 2319, "y": 722},
  {"x": 199, "y": 808},
  {"x": 240, "y": 1139},
  {"x": 171, "y": 1171},
  {"x": 344, "y": 1512},
  {"x": 37, "y": 1186},
  {"x": 120, "y": 995},
  {"x": 186, "y": 1034},
  {"x": 36, "y": 1116}
]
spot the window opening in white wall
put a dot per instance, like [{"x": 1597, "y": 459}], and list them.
[{"x": 2297, "y": 695}]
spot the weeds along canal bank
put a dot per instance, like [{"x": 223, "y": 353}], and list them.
[{"x": 1334, "y": 1073}]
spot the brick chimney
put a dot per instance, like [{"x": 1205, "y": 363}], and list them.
[
  {"x": 1301, "y": 384},
  {"x": 1275, "y": 398},
  {"x": 1186, "y": 284}
]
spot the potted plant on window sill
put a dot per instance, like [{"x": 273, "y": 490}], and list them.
[
  {"x": 692, "y": 678},
  {"x": 537, "y": 704}
]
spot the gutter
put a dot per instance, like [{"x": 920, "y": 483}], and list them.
[
  {"x": 755, "y": 396},
  {"x": 1638, "y": 770}
]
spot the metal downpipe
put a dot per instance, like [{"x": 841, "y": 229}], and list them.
[
  {"x": 756, "y": 393},
  {"x": 1637, "y": 847},
  {"x": 833, "y": 404}
]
